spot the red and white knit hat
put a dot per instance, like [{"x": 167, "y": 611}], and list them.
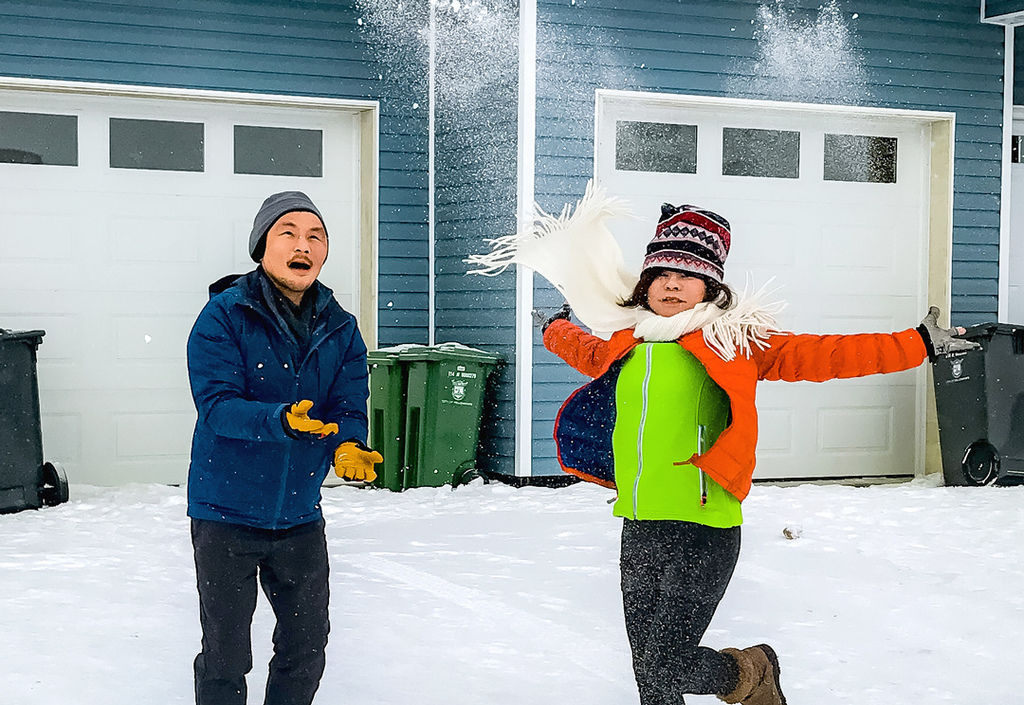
[{"x": 691, "y": 240}]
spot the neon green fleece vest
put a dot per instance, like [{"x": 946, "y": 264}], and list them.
[{"x": 667, "y": 409}]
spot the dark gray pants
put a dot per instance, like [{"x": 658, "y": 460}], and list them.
[
  {"x": 674, "y": 574},
  {"x": 291, "y": 565}
]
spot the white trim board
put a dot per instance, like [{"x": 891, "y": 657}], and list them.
[
  {"x": 1005, "y": 201},
  {"x": 525, "y": 197}
]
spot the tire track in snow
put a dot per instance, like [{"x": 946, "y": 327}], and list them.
[{"x": 601, "y": 663}]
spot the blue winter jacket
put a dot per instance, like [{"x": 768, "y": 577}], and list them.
[{"x": 244, "y": 369}]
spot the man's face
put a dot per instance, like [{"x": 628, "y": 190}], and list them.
[{"x": 295, "y": 252}]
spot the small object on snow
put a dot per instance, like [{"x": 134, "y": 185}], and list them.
[{"x": 792, "y": 532}]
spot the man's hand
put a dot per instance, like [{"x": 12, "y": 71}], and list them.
[
  {"x": 297, "y": 419},
  {"x": 354, "y": 461},
  {"x": 542, "y": 320},
  {"x": 940, "y": 341}
]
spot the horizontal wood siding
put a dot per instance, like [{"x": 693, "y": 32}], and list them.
[
  {"x": 918, "y": 54},
  {"x": 293, "y": 47}
]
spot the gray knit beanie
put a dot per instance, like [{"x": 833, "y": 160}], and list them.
[{"x": 273, "y": 208}]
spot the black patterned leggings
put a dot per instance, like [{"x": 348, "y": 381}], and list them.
[{"x": 674, "y": 574}]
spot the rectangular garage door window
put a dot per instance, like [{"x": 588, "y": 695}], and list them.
[
  {"x": 655, "y": 146},
  {"x": 38, "y": 138},
  {"x": 860, "y": 158},
  {"x": 160, "y": 145},
  {"x": 278, "y": 151},
  {"x": 773, "y": 154}
]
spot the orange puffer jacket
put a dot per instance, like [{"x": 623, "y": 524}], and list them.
[{"x": 788, "y": 357}]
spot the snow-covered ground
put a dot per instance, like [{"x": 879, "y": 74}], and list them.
[{"x": 895, "y": 595}]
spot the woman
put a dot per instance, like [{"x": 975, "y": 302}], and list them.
[{"x": 670, "y": 421}]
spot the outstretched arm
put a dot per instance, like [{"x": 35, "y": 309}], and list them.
[
  {"x": 817, "y": 358},
  {"x": 583, "y": 351}
]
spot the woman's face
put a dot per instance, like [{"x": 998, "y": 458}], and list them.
[{"x": 674, "y": 292}]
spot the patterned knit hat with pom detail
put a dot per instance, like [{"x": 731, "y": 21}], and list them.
[{"x": 690, "y": 240}]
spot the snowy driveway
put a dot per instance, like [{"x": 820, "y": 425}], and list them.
[{"x": 889, "y": 595}]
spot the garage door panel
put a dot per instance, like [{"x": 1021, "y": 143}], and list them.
[
  {"x": 845, "y": 429},
  {"x": 166, "y": 240},
  {"x": 853, "y": 196},
  {"x": 762, "y": 247},
  {"x": 864, "y": 250},
  {"x": 62, "y": 433},
  {"x": 27, "y": 236},
  {"x": 846, "y": 256},
  {"x": 853, "y": 313},
  {"x": 849, "y": 324},
  {"x": 134, "y": 439},
  {"x": 775, "y": 426},
  {"x": 150, "y": 337}
]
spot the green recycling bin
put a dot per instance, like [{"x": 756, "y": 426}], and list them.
[
  {"x": 445, "y": 388},
  {"x": 387, "y": 416}
]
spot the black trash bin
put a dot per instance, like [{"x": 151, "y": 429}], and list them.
[
  {"x": 26, "y": 482},
  {"x": 979, "y": 397}
]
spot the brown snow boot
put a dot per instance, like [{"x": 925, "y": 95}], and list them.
[{"x": 759, "y": 677}]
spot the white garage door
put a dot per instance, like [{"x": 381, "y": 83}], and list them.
[
  {"x": 117, "y": 214},
  {"x": 833, "y": 206}
]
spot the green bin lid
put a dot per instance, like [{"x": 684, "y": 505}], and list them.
[
  {"x": 381, "y": 357},
  {"x": 444, "y": 351}
]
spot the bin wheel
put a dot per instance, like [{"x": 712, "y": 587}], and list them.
[
  {"x": 466, "y": 473},
  {"x": 980, "y": 465},
  {"x": 54, "y": 489}
]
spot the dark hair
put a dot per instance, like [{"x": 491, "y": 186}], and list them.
[{"x": 716, "y": 292}]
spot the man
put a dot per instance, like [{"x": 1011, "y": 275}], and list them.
[{"x": 278, "y": 375}]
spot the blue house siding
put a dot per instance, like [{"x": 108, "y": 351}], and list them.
[
  {"x": 920, "y": 54},
  {"x": 298, "y": 47}
]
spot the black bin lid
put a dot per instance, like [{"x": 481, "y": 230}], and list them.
[
  {"x": 987, "y": 330},
  {"x": 33, "y": 336}
]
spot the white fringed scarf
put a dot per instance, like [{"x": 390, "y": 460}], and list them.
[{"x": 577, "y": 253}]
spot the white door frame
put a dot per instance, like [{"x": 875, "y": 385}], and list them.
[
  {"x": 369, "y": 120},
  {"x": 1008, "y": 273},
  {"x": 940, "y": 211}
]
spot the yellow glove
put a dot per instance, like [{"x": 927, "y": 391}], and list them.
[
  {"x": 298, "y": 419},
  {"x": 354, "y": 461}
]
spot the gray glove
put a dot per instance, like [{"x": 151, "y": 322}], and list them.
[
  {"x": 940, "y": 341},
  {"x": 543, "y": 320}
]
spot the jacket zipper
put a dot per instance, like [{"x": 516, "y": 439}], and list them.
[
  {"x": 295, "y": 371},
  {"x": 701, "y": 477},
  {"x": 640, "y": 432}
]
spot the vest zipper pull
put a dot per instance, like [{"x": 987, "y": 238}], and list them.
[{"x": 700, "y": 473}]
